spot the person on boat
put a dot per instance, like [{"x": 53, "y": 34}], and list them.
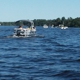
[
  {"x": 28, "y": 28},
  {"x": 20, "y": 27},
  {"x": 19, "y": 31},
  {"x": 33, "y": 29}
]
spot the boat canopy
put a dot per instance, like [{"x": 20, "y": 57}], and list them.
[{"x": 29, "y": 23}]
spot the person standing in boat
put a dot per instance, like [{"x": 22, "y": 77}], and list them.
[
  {"x": 19, "y": 31},
  {"x": 20, "y": 27},
  {"x": 33, "y": 29}
]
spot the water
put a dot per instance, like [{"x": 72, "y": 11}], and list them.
[{"x": 54, "y": 57}]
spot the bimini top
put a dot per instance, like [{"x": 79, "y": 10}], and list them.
[{"x": 25, "y": 22}]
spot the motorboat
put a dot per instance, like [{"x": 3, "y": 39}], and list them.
[
  {"x": 63, "y": 27},
  {"x": 45, "y": 26},
  {"x": 29, "y": 31},
  {"x": 25, "y": 32},
  {"x": 52, "y": 26}
]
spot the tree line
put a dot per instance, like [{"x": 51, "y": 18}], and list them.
[{"x": 70, "y": 22}]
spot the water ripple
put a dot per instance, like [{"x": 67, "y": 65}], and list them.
[{"x": 54, "y": 57}]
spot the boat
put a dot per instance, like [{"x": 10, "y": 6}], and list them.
[
  {"x": 29, "y": 31},
  {"x": 25, "y": 32},
  {"x": 52, "y": 26},
  {"x": 63, "y": 27},
  {"x": 45, "y": 26}
]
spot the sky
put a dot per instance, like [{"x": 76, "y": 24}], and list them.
[{"x": 13, "y": 10}]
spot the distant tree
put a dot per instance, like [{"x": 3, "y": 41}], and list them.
[
  {"x": 40, "y": 22},
  {"x": 58, "y": 20},
  {"x": 63, "y": 20}
]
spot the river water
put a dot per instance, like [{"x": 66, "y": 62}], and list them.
[{"x": 53, "y": 57}]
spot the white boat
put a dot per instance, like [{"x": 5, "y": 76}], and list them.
[
  {"x": 45, "y": 26},
  {"x": 25, "y": 32},
  {"x": 63, "y": 27},
  {"x": 52, "y": 26}
]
